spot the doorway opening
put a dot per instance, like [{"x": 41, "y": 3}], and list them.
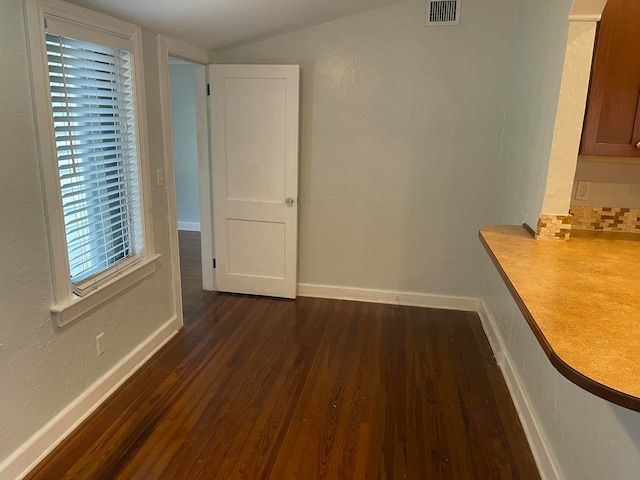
[
  {"x": 182, "y": 89},
  {"x": 183, "y": 86}
]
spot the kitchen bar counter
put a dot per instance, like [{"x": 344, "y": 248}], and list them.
[{"x": 581, "y": 298}]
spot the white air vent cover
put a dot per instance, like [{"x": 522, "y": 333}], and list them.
[{"x": 443, "y": 12}]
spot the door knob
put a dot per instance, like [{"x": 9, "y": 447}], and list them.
[
  {"x": 638, "y": 145},
  {"x": 290, "y": 200}
]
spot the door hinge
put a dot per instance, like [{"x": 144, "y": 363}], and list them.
[
  {"x": 208, "y": 89},
  {"x": 214, "y": 263}
]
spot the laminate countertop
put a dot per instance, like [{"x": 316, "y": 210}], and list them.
[{"x": 581, "y": 298}]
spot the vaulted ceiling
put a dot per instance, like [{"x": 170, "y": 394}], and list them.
[{"x": 217, "y": 24}]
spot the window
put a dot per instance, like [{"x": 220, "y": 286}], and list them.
[
  {"x": 94, "y": 128},
  {"x": 86, "y": 73}
]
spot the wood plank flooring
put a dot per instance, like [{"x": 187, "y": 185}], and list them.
[{"x": 268, "y": 388}]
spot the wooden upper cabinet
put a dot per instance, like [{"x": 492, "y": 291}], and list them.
[{"x": 612, "y": 120}]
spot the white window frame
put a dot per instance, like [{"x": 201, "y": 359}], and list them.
[{"x": 68, "y": 306}]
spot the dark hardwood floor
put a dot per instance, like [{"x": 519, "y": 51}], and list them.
[
  {"x": 190, "y": 269},
  {"x": 268, "y": 388}
]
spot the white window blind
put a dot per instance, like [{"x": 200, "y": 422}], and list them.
[{"x": 94, "y": 123}]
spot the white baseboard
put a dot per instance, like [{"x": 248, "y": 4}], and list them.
[
  {"x": 189, "y": 226},
  {"x": 544, "y": 458},
  {"x": 388, "y": 296},
  {"x": 27, "y": 456}
]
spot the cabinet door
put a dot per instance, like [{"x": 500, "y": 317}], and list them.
[{"x": 612, "y": 121}]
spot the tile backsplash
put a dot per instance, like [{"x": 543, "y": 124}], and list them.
[
  {"x": 608, "y": 219},
  {"x": 553, "y": 227}
]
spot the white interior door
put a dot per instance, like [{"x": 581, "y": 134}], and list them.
[{"x": 254, "y": 121}]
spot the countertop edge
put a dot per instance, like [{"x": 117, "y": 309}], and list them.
[{"x": 615, "y": 396}]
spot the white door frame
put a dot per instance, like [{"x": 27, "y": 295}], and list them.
[{"x": 169, "y": 46}]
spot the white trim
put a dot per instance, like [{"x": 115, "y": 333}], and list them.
[
  {"x": 205, "y": 181},
  {"x": 542, "y": 452},
  {"x": 29, "y": 454},
  {"x": 143, "y": 146},
  {"x": 75, "y": 13},
  {"x": 593, "y": 18},
  {"x": 186, "y": 51},
  {"x": 84, "y": 287},
  {"x": 170, "y": 46},
  {"x": 189, "y": 226},
  {"x": 390, "y": 297},
  {"x": 587, "y": 10},
  {"x": 34, "y": 18},
  {"x": 170, "y": 185},
  {"x": 65, "y": 312}
]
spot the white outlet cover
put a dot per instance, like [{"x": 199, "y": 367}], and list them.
[
  {"x": 582, "y": 190},
  {"x": 100, "y": 344}
]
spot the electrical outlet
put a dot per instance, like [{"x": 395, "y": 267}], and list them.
[
  {"x": 100, "y": 343},
  {"x": 397, "y": 299},
  {"x": 160, "y": 177},
  {"x": 582, "y": 190}
]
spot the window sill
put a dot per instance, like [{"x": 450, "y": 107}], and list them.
[{"x": 66, "y": 312}]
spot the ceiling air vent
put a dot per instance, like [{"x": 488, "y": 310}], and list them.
[{"x": 443, "y": 12}]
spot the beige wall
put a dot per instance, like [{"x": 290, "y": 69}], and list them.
[
  {"x": 614, "y": 182},
  {"x": 399, "y": 143},
  {"x": 43, "y": 370},
  {"x": 533, "y": 81},
  {"x": 587, "y": 437},
  {"x": 569, "y": 117}
]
